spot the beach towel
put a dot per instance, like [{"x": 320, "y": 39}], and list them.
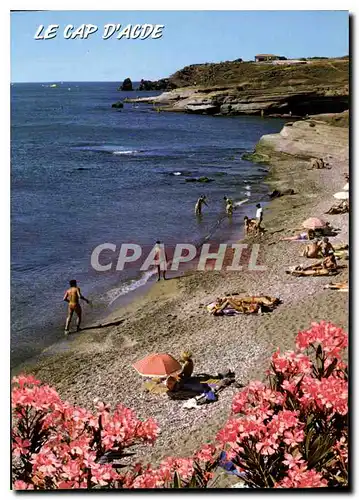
[{"x": 154, "y": 387}]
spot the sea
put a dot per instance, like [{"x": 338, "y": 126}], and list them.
[{"x": 84, "y": 174}]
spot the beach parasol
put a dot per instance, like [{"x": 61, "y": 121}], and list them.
[
  {"x": 346, "y": 187},
  {"x": 342, "y": 195},
  {"x": 313, "y": 223},
  {"x": 157, "y": 365}
]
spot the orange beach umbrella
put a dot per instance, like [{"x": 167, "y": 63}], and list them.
[
  {"x": 157, "y": 365},
  {"x": 313, "y": 223}
]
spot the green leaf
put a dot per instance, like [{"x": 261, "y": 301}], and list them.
[
  {"x": 176, "y": 480},
  {"x": 331, "y": 367}
]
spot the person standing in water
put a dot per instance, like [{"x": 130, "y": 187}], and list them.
[
  {"x": 198, "y": 208},
  {"x": 229, "y": 205},
  {"x": 73, "y": 296},
  {"x": 160, "y": 259}
]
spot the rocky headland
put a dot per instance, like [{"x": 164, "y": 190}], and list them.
[{"x": 280, "y": 88}]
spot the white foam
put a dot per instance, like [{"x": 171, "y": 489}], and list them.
[
  {"x": 115, "y": 293},
  {"x": 129, "y": 152}
]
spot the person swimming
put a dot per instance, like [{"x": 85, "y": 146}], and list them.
[
  {"x": 73, "y": 296},
  {"x": 198, "y": 208}
]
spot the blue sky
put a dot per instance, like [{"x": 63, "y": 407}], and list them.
[{"x": 189, "y": 37}]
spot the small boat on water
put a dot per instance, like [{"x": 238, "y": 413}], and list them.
[{"x": 53, "y": 85}]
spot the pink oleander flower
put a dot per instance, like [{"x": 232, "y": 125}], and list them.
[
  {"x": 291, "y": 363},
  {"x": 299, "y": 477},
  {"x": 21, "y": 485},
  {"x": 332, "y": 338},
  {"x": 328, "y": 393},
  {"x": 206, "y": 453},
  {"x": 293, "y": 461}
]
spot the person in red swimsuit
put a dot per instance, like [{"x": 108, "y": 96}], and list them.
[{"x": 73, "y": 296}]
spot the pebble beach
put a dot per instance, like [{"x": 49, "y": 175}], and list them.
[{"x": 171, "y": 315}]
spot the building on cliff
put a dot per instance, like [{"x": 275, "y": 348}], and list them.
[{"x": 268, "y": 58}]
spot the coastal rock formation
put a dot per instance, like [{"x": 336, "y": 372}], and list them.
[
  {"x": 163, "y": 84},
  {"x": 259, "y": 89},
  {"x": 117, "y": 104},
  {"x": 303, "y": 141},
  {"x": 126, "y": 85},
  {"x": 200, "y": 179}
]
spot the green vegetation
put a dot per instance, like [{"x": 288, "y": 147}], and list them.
[{"x": 326, "y": 73}]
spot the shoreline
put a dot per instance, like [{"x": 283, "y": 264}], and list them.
[
  {"x": 170, "y": 316},
  {"x": 104, "y": 315}
]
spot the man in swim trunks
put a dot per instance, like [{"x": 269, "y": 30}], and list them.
[
  {"x": 198, "y": 208},
  {"x": 73, "y": 296}
]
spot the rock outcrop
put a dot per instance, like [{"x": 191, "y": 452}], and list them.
[
  {"x": 163, "y": 84},
  {"x": 118, "y": 105},
  {"x": 126, "y": 85},
  {"x": 305, "y": 141},
  {"x": 259, "y": 89}
]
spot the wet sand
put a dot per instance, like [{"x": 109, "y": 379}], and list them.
[{"x": 171, "y": 317}]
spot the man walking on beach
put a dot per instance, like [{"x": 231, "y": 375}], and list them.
[{"x": 73, "y": 296}]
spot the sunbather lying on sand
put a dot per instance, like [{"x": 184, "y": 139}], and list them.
[
  {"x": 312, "y": 272},
  {"x": 342, "y": 287},
  {"x": 243, "y": 305},
  {"x": 323, "y": 268},
  {"x": 328, "y": 262},
  {"x": 340, "y": 208},
  {"x": 307, "y": 235}
]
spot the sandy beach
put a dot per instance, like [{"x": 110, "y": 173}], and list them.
[{"x": 171, "y": 316}]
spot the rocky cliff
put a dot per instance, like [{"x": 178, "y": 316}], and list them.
[
  {"x": 315, "y": 137},
  {"x": 282, "y": 88}
]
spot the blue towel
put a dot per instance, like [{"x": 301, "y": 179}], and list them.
[{"x": 227, "y": 465}]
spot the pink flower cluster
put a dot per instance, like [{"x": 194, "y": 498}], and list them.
[
  {"x": 331, "y": 338},
  {"x": 300, "y": 477},
  {"x": 68, "y": 441},
  {"x": 274, "y": 420}
]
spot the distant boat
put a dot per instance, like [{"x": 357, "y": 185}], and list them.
[{"x": 53, "y": 85}]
